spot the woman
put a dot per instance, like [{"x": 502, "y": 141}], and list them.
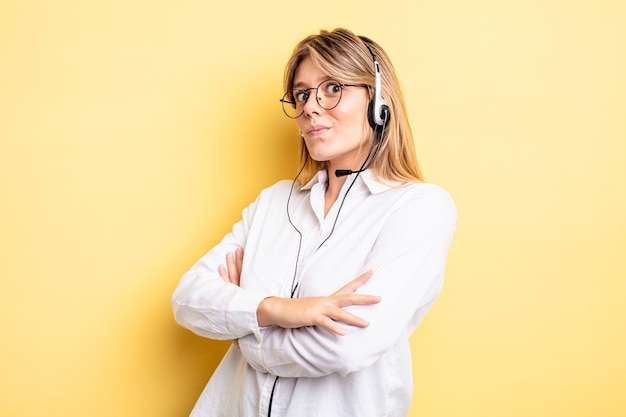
[{"x": 340, "y": 264}]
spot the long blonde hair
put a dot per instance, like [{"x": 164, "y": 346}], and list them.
[{"x": 348, "y": 58}]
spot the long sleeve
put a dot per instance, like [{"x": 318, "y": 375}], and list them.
[
  {"x": 210, "y": 307},
  {"x": 406, "y": 245}
]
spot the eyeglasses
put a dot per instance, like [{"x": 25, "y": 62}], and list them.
[{"x": 328, "y": 95}]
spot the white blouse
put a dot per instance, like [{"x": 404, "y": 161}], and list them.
[{"x": 401, "y": 232}]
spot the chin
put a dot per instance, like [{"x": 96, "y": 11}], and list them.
[
  {"x": 320, "y": 156},
  {"x": 317, "y": 156},
  {"x": 318, "y": 159}
]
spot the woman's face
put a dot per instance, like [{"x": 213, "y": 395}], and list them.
[{"x": 340, "y": 135}]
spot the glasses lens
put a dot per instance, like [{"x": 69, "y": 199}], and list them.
[
  {"x": 329, "y": 94},
  {"x": 289, "y": 106}
]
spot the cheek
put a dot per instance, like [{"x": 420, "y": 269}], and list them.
[
  {"x": 354, "y": 119},
  {"x": 354, "y": 112},
  {"x": 300, "y": 123}
]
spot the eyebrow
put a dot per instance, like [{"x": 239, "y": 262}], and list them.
[{"x": 300, "y": 84}]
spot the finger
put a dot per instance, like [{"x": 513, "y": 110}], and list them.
[
  {"x": 239, "y": 260},
  {"x": 349, "y": 318},
  {"x": 233, "y": 273},
  {"x": 346, "y": 300},
  {"x": 223, "y": 273},
  {"x": 330, "y": 324},
  {"x": 355, "y": 284},
  {"x": 330, "y": 319}
]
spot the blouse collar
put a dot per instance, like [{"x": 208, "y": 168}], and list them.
[{"x": 367, "y": 177}]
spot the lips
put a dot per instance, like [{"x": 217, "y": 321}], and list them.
[{"x": 316, "y": 130}]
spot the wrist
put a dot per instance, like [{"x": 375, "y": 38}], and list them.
[{"x": 264, "y": 311}]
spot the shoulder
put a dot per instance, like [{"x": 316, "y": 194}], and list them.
[
  {"x": 429, "y": 191},
  {"x": 268, "y": 200},
  {"x": 277, "y": 191},
  {"x": 419, "y": 190},
  {"x": 280, "y": 187},
  {"x": 428, "y": 200}
]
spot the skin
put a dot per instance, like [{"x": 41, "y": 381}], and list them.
[
  {"x": 339, "y": 136},
  {"x": 309, "y": 311}
]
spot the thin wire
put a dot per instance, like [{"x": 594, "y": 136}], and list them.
[
  {"x": 269, "y": 409},
  {"x": 380, "y": 140},
  {"x": 295, "y": 272}
]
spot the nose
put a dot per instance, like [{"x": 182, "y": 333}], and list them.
[{"x": 311, "y": 105}]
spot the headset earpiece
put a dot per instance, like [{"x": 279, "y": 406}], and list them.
[
  {"x": 377, "y": 111},
  {"x": 381, "y": 110}
]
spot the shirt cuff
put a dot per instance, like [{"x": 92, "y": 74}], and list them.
[{"x": 242, "y": 313}]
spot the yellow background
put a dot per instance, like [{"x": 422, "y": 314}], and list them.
[{"x": 132, "y": 133}]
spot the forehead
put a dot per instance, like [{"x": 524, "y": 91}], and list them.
[{"x": 308, "y": 74}]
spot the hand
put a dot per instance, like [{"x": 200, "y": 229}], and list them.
[
  {"x": 232, "y": 271},
  {"x": 317, "y": 311}
]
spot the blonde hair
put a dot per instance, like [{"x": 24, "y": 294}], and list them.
[{"x": 348, "y": 58}]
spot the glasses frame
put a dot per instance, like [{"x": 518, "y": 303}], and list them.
[{"x": 288, "y": 94}]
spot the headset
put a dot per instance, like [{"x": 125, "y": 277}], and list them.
[
  {"x": 377, "y": 116},
  {"x": 377, "y": 110}
]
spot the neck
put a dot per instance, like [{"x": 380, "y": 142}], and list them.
[{"x": 333, "y": 187}]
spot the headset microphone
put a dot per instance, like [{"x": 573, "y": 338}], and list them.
[
  {"x": 344, "y": 172},
  {"x": 364, "y": 167}
]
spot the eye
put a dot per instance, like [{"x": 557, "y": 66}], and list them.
[
  {"x": 301, "y": 96},
  {"x": 332, "y": 88}
]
